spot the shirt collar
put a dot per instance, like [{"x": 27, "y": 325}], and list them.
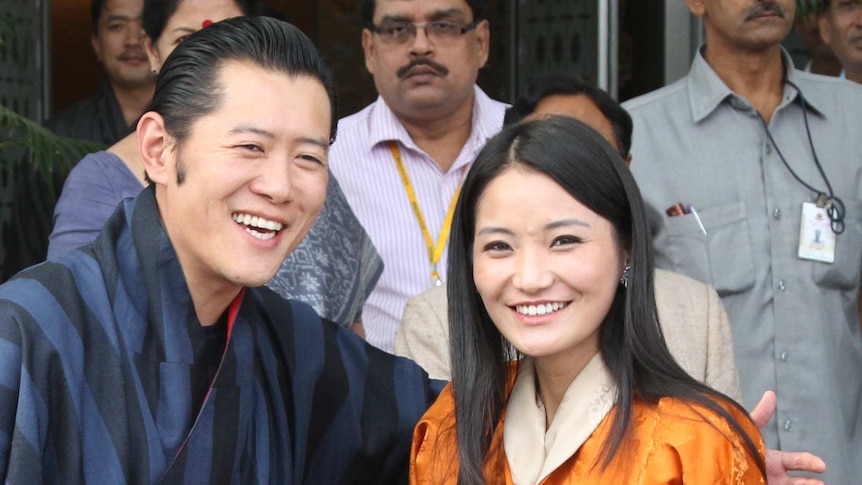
[
  {"x": 384, "y": 125},
  {"x": 707, "y": 91}
]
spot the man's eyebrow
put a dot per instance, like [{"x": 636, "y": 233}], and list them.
[
  {"x": 241, "y": 129},
  {"x": 435, "y": 15},
  {"x": 395, "y": 18},
  {"x": 445, "y": 14},
  {"x": 115, "y": 17},
  {"x": 311, "y": 140},
  {"x": 316, "y": 141}
]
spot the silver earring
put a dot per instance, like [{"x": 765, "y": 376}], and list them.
[{"x": 624, "y": 279}]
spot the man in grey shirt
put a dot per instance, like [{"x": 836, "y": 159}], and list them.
[{"x": 739, "y": 199}]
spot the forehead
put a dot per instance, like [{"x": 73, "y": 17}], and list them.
[
  {"x": 420, "y": 9},
  {"x": 195, "y": 11},
  {"x": 252, "y": 95},
  {"x": 523, "y": 194},
  {"x": 579, "y": 107},
  {"x": 121, "y": 8}
]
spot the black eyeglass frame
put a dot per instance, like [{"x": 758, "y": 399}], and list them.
[{"x": 377, "y": 29}]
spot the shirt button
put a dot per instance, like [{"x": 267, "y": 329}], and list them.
[
  {"x": 781, "y": 285},
  {"x": 768, "y": 149},
  {"x": 784, "y": 356},
  {"x": 737, "y": 103},
  {"x": 776, "y": 214},
  {"x": 788, "y": 426}
]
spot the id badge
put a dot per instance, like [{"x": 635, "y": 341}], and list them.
[{"x": 816, "y": 239}]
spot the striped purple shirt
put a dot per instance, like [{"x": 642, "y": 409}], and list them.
[{"x": 363, "y": 164}]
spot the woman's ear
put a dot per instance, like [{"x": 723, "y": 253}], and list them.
[
  {"x": 155, "y": 146},
  {"x": 153, "y": 55}
]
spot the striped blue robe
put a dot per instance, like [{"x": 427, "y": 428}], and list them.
[{"x": 95, "y": 384}]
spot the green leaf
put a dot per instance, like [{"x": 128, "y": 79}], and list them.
[{"x": 25, "y": 143}]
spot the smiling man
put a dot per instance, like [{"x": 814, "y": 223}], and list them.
[
  {"x": 153, "y": 353},
  {"x": 841, "y": 30},
  {"x": 118, "y": 41},
  {"x": 769, "y": 160}
]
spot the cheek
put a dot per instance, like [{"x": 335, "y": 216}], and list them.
[
  {"x": 489, "y": 277},
  {"x": 311, "y": 190}
]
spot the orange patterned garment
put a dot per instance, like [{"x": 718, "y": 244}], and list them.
[{"x": 670, "y": 443}]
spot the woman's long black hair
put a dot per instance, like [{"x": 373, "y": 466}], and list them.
[{"x": 630, "y": 339}]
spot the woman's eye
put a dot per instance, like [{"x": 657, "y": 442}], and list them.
[
  {"x": 565, "y": 241},
  {"x": 251, "y": 147},
  {"x": 497, "y": 246}
]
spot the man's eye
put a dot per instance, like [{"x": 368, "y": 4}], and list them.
[
  {"x": 395, "y": 30},
  {"x": 312, "y": 158},
  {"x": 444, "y": 28}
]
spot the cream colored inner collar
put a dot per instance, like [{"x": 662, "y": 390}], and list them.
[{"x": 534, "y": 453}]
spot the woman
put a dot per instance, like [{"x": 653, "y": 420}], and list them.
[
  {"x": 333, "y": 278},
  {"x": 550, "y": 259}
]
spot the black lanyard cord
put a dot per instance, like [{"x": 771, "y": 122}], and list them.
[{"x": 835, "y": 208}]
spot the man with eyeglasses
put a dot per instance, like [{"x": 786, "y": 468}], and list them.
[{"x": 400, "y": 161}]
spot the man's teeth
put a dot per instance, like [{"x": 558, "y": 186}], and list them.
[
  {"x": 543, "y": 309},
  {"x": 253, "y": 223}
]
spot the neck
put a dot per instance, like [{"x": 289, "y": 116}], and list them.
[
  {"x": 554, "y": 375},
  {"x": 826, "y": 65},
  {"x": 210, "y": 300},
  {"x": 757, "y": 75},
  {"x": 210, "y": 309},
  {"x": 441, "y": 137},
  {"x": 854, "y": 75},
  {"x": 133, "y": 100}
]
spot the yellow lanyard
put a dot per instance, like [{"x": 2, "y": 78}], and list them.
[{"x": 434, "y": 251}]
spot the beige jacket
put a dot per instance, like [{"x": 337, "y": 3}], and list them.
[{"x": 692, "y": 318}]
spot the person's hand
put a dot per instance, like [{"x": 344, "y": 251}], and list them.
[{"x": 779, "y": 464}]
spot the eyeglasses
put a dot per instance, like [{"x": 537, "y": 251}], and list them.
[{"x": 403, "y": 32}]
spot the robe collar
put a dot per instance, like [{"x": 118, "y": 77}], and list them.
[{"x": 532, "y": 452}]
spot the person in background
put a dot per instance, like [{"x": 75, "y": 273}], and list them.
[
  {"x": 401, "y": 159},
  {"x": 153, "y": 355},
  {"x": 823, "y": 60},
  {"x": 551, "y": 261},
  {"x": 118, "y": 41},
  {"x": 333, "y": 278},
  {"x": 841, "y": 30},
  {"x": 764, "y": 158},
  {"x": 104, "y": 118}
]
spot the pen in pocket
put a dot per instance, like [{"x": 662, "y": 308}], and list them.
[{"x": 689, "y": 209}]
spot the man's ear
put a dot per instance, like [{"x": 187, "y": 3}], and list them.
[
  {"x": 94, "y": 41},
  {"x": 155, "y": 146},
  {"x": 696, "y": 7},
  {"x": 153, "y": 55},
  {"x": 368, "y": 49},
  {"x": 483, "y": 37},
  {"x": 825, "y": 30}
]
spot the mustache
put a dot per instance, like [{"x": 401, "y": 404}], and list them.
[
  {"x": 132, "y": 54},
  {"x": 419, "y": 61},
  {"x": 761, "y": 8}
]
